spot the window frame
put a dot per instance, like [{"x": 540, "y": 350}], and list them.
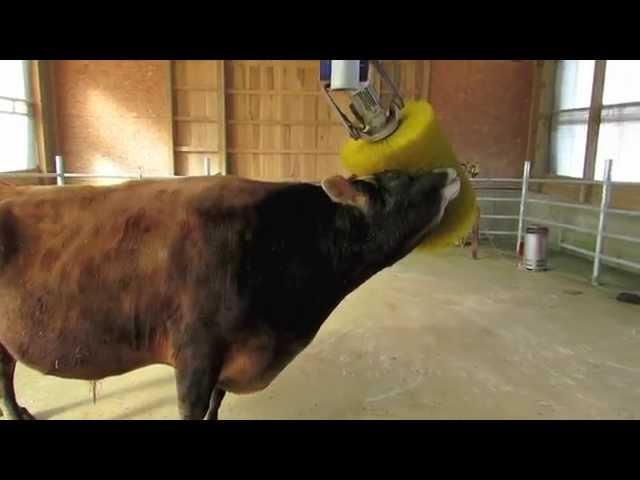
[
  {"x": 37, "y": 82},
  {"x": 594, "y": 120}
]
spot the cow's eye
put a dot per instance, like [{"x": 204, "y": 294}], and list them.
[{"x": 369, "y": 179}]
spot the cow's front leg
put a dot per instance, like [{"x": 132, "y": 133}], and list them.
[
  {"x": 9, "y": 408},
  {"x": 197, "y": 371}
]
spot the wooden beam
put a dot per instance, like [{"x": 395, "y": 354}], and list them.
[
  {"x": 194, "y": 89},
  {"x": 254, "y": 91},
  {"x": 192, "y": 149},
  {"x": 536, "y": 87},
  {"x": 262, "y": 151},
  {"x": 222, "y": 118},
  {"x": 427, "y": 80},
  {"x": 541, "y": 149},
  {"x": 196, "y": 119},
  {"x": 38, "y": 99},
  {"x": 43, "y": 88},
  {"x": 310, "y": 123},
  {"x": 170, "y": 97},
  {"x": 593, "y": 128}
]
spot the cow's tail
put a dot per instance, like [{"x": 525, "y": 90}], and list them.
[{"x": 93, "y": 384}]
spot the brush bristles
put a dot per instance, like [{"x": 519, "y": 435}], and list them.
[{"x": 418, "y": 145}]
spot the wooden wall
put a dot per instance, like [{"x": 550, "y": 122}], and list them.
[
  {"x": 279, "y": 126},
  {"x": 114, "y": 116},
  {"x": 198, "y": 115}
]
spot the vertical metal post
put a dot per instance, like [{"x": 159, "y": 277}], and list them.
[
  {"x": 207, "y": 166},
  {"x": 602, "y": 222},
  {"x": 59, "y": 170},
  {"x": 523, "y": 202}
]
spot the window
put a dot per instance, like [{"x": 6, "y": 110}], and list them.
[
  {"x": 616, "y": 105},
  {"x": 16, "y": 117},
  {"x": 569, "y": 121},
  {"x": 619, "y": 136}
]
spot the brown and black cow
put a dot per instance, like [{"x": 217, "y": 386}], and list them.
[{"x": 223, "y": 278}]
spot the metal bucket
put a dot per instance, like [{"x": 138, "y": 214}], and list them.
[{"x": 535, "y": 248}]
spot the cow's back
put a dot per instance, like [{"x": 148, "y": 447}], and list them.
[{"x": 91, "y": 277}]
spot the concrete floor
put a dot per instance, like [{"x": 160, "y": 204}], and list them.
[{"x": 434, "y": 337}]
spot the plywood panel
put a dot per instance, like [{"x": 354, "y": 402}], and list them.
[
  {"x": 113, "y": 116},
  {"x": 483, "y": 108},
  {"x": 111, "y": 88},
  {"x": 94, "y": 144},
  {"x": 197, "y": 92}
]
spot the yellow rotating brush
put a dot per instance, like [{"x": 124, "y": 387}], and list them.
[
  {"x": 404, "y": 136},
  {"x": 418, "y": 144}
]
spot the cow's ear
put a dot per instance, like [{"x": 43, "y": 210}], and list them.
[{"x": 340, "y": 190}]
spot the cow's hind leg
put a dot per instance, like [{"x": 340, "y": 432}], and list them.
[{"x": 8, "y": 404}]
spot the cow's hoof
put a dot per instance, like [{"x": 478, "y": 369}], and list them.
[{"x": 25, "y": 414}]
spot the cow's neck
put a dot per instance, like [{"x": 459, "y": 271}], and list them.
[{"x": 304, "y": 256}]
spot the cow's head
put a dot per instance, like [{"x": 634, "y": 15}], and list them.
[{"x": 400, "y": 208}]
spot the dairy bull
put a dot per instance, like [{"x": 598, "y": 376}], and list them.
[{"x": 225, "y": 279}]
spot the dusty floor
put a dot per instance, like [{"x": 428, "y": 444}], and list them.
[{"x": 433, "y": 337}]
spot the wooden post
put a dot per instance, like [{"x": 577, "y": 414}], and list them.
[
  {"x": 170, "y": 96},
  {"x": 593, "y": 127},
  {"x": 222, "y": 119}
]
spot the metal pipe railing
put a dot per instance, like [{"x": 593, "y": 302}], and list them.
[
  {"x": 473, "y": 180},
  {"x": 605, "y": 258},
  {"x": 498, "y": 199},
  {"x": 603, "y": 212},
  {"x": 602, "y": 221},
  {"x": 523, "y": 204},
  {"x": 551, "y": 223},
  {"x": 631, "y": 213},
  {"x": 60, "y": 175},
  {"x": 59, "y": 170},
  {"x": 497, "y": 232},
  {"x": 556, "y": 203},
  {"x": 623, "y": 238},
  {"x": 569, "y": 181},
  {"x": 505, "y": 217}
]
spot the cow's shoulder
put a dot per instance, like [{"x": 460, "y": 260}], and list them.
[
  {"x": 8, "y": 232},
  {"x": 227, "y": 198}
]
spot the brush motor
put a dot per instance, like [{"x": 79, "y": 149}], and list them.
[{"x": 373, "y": 121}]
